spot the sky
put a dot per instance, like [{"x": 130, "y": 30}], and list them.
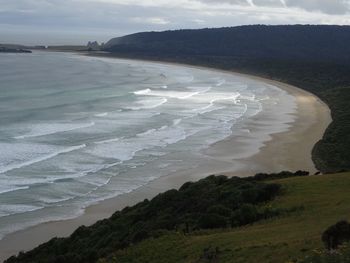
[{"x": 56, "y": 22}]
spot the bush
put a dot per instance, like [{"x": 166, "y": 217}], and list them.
[
  {"x": 325, "y": 256},
  {"x": 280, "y": 175},
  {"x": 219, "y": 210},
  {"x": 245, "y": 215},
  {"x": 336, "y": 234},
  {"x": 212, "y": 221}
]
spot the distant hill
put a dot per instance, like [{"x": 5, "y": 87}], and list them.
[
  {"x": 48, "y": 48},
  {"x": 13, "y": 49},
  {"x": 67, "y": 48},
  {"x": 310, "y": 42}
]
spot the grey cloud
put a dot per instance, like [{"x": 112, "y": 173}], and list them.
[
  {"x": 67, "y": 21},
  {"x": 326, "y": 6},
  {"x": 275, "y": 3},
  {"x": 233, "y": 2},
  {"x": 76, "y": 21},
  {"x": 247, "y": 2}
]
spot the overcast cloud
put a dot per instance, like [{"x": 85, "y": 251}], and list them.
[{"x": 78, "y": 21}]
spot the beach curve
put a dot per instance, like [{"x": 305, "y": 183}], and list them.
[{"x": 291, "y": 150}]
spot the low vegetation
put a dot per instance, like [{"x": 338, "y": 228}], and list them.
[
  {"x": 336, "y": 235},
  {"x": 213, "y": 202},
  {"x": 218, "y": 220},
  {"x": 342, "y": 255},
  {"x": 318, "y": 202}
]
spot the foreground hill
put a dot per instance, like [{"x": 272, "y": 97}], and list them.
[
  {"x": 213, "y": 202},
  {"x": 214, "y": 220},
  {"x": 315, "y": 58},
  {"x": 318, "y": 202}
]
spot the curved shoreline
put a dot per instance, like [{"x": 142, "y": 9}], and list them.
[{"x": 291, "y": 150}]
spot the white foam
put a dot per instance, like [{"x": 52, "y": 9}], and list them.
[
  {"x": 22, "y": 182},
  {"x": 174, "y": 94},
  {"x": 248, "y": 97},
  {"x": 184, "y": 78},
  {"x": 37, "y": 130},
  {"x": 150, "y": 131},
  {"x": 211, "y": 99},
  {"x": 200, "y": 89},
  {"x": 149, "y": 104},
  {"x": 22, "y": 157},
  {"x": 142, "y": 92},
  {"x": 104, "y": 114},
  {"x": 163, "y": 165},
  {"x": 8, "y": 188},
  {"x": 54, "y": 200},
  {"x": 176, "y": 121},
  {"x": 73, "y": 168},
  {"x": 98, "y": 181},
  {"x": 125, "y": 149},
  {"x": 220, "y": 82},
  {"x": 8, "y": 209},
  {"x": 120, "y": 150},
  {"x": 108, "y": 141},
  {"x": 208, "y": 108}
]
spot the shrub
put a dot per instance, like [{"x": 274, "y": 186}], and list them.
[
  {"x": 336, "y": 234},
  {"x": 219, "y": 210},
  {"x": 245, "y": 215},
  {"x": 212, "y": 221}
]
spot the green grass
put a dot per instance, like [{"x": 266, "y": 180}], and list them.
[{"x": 325, "y": 200}]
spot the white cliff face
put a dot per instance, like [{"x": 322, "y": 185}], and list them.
[{"x": 93, "y": 45}]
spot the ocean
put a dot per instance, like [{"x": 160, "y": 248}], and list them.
[{"x": 75, "y": 130}]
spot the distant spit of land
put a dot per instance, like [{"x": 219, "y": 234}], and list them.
[{"x": 14, "y": 50}]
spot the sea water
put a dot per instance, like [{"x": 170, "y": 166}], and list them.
[{"x": 75, "y": 130}]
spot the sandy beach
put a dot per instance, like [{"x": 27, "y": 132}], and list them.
[{"x": 288, "y": 150}]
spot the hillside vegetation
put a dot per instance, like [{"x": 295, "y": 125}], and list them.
[
  {"x": 292, "y": 237},
  {"x": 315, "y": 58},
  {"x": 309, "y": 43},
  {"x": 275, "y": 218},
  {"x": 213, "y": 202}
]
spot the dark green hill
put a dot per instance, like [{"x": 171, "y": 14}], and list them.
[
  {"x": 308, "y": 43},
  {"x": 287, "y": 238},
  {"x": 213, "y": 202},
  {"x": 273, "y": 221}
]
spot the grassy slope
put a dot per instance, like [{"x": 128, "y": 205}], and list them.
[{"x": 285, "y": 239}]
